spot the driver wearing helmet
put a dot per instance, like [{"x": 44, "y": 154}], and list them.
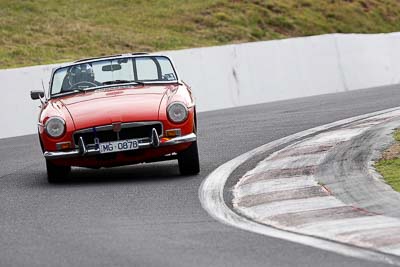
[{"x": 79, "y": 77}]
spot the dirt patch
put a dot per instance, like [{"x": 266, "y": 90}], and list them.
[{"x": 393, "y": 152}]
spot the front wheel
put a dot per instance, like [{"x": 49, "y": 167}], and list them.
[
  {"x": 189, "y": 160},
  {"x": 55, "y": 173}
]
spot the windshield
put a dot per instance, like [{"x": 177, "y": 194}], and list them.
[{"x": 102, "y": 73}]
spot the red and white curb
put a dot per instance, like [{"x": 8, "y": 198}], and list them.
[{"x": 282, "y": 198}]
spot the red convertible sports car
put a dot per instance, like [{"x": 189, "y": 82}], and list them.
[{"x": 114, "y": 111}]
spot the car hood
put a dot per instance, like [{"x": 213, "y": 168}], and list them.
[{"x": 117, "y": 105}]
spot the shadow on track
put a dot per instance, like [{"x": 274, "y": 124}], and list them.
[{"x": 146, "y": 173}]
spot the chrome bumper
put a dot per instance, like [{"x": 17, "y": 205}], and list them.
[{"x": 89, "y": 152}]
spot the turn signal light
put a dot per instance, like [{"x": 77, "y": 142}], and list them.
[
  {"x": 173, "y": 133},
  {"x": 63, "y": 145}
]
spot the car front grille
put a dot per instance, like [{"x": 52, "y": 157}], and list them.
[{"x": 133, "y": 130}]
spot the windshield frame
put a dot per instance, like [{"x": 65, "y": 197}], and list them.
[{"x": 139, "y": 82}]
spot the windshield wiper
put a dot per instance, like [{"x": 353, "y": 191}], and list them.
[
  {"x": 70, "y": 92},
  {"x": 121, "y": 81}
]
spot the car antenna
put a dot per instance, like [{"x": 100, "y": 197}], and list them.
[
  {"x": 42, "y": 84},
  {"x": 44, "y": 91}
]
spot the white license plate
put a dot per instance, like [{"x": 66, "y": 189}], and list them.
[{"x": 116, "y": 146}]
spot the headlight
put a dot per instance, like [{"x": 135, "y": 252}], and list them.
[
  {"x": 55, "y": 127},
  {"x": 177, "y": 112}
]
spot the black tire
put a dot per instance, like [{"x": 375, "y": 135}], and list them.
[
  {"x": 57, "y": 174},
  {"x": 189, "y": 160}
]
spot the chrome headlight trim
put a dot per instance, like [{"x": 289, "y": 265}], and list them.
[
  {"x": 181, "y": 108},
  {"x": 53, "y": 121}
]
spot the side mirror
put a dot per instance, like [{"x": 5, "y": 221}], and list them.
[{"x": 37, "y": 94}]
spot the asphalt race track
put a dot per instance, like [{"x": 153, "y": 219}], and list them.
[{"x": 148, "y": 215}]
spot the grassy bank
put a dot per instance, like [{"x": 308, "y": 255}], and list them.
[
  {"x": 40, "y": 32},
  {"x": 389, "y": 165}
]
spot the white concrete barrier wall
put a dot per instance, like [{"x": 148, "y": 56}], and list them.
[{"x": 242, "y": 74}]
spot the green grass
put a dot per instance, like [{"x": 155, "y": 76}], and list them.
[
  {"x": 41, "y": 32},
  {"x": 390, "y": 168}
]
